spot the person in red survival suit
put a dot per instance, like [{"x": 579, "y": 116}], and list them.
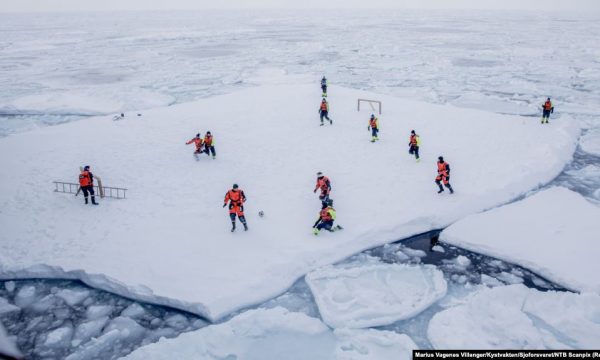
[
  {"x": 547, "y": 109},
  {"x": 324, "y": 111},
  {"x": 86, "y": 181},
  {"x": 324, "y": 184},
  {"x": 443, "y": 175},
  {"x": 197, "y": 140},
  {"x": 236, "y": 199}
]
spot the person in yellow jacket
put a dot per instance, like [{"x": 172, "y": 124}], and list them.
[
  {"x": 374, "y": 127},
  {"x": 209, "y": 145},
  {"x": 326, "y": 218},
  {"x": 414, "y": 143}
]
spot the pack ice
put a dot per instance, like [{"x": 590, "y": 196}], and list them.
[
  {"x": 590, "y": 142},
  {"x": 169, "y": 241},
  {"x": 279, "y": 334},
  {"x": 553, "y": 232},
  {"x": 374, "y": 295},
  {"x": 7, "y": 345},
  {"x": 517, "y": 317}
]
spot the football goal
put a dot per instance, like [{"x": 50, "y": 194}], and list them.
[{"x": 372, "y": 104}]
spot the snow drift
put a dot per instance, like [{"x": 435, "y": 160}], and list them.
[
  {"x": 553, "y": 233},
  {"x": 169, "y": 242}
]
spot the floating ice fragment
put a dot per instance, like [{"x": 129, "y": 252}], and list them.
[
  {"x": 73, "y": 297},
  {"x": 25, "y": 296},
  {"x": 9, "y": 286},
  {"x": 87, "y": 330},
  {"x": 6, "y": 307},
  {"x": 438, "y": 248},
  {"x": 374, "y": 295},
  {"x": 98, "y": 311},
  {"x": 133, "y": 311}
]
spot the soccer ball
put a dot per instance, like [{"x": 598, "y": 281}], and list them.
[{"x": 261, "y": 213}]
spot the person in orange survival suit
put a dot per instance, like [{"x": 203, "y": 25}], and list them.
[
  {"x": 197, "y": 140},
  {"x": 374, "y": 127},
  {"x": 86, "y": 181},
  {"x": 209, "y": 145},
  {"x": 443, "y": 175},
  {"x": 414, "y": 142},
  {"x": 326, "y": 218},
  {"x": 324, "y": 184},
  {"x": 547, "y": 109},
  {"x": 236, "y": 199},
  {"x": 324, "y": 111}
]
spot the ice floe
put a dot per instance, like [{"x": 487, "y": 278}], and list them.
[
  {"x": 517, "y": 317},
  {"x": 279, "y": 334},
  {"x": 590, "y": 142},
  {"x": 168, "y": 229},
  {"x": 374, "y": 295},
  {"x": 7, "y": 345},
  {"x": 553, "y": 233}
]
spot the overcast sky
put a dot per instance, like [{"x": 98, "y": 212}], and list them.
[{"x": 84, "y": 5}]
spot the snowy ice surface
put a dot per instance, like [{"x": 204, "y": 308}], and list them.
[
  {"x": 7, "y": 345},
  {"x": 516, "y": 317},
  {"x": 374, "y": 295},
  {"x": 172, "y": 228},
  {"x": 59, "y": 64},
  {"x": 279, "y": 334},
  {"x": 553, "y": 232},
  {"x": 590, "y": 142}
]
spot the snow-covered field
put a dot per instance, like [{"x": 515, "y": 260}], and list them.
[
  {"x": 168, "y": 243},
  {"x": 268, "y": 140}
]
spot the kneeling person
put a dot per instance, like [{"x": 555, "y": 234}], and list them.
[{"x": 326, "y": 218}]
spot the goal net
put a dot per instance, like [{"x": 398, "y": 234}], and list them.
[{"x": 372, "y": 103}]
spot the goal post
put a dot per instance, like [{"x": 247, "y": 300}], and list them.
[{"x": 372, "y": 104}]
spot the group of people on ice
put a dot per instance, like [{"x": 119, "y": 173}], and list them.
[
  {"x": 235, "y": 197},
  {"x": 324, "y": 107},
  {"x": 327, "y": 214},
  {"x": 208, "y": 143}
]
